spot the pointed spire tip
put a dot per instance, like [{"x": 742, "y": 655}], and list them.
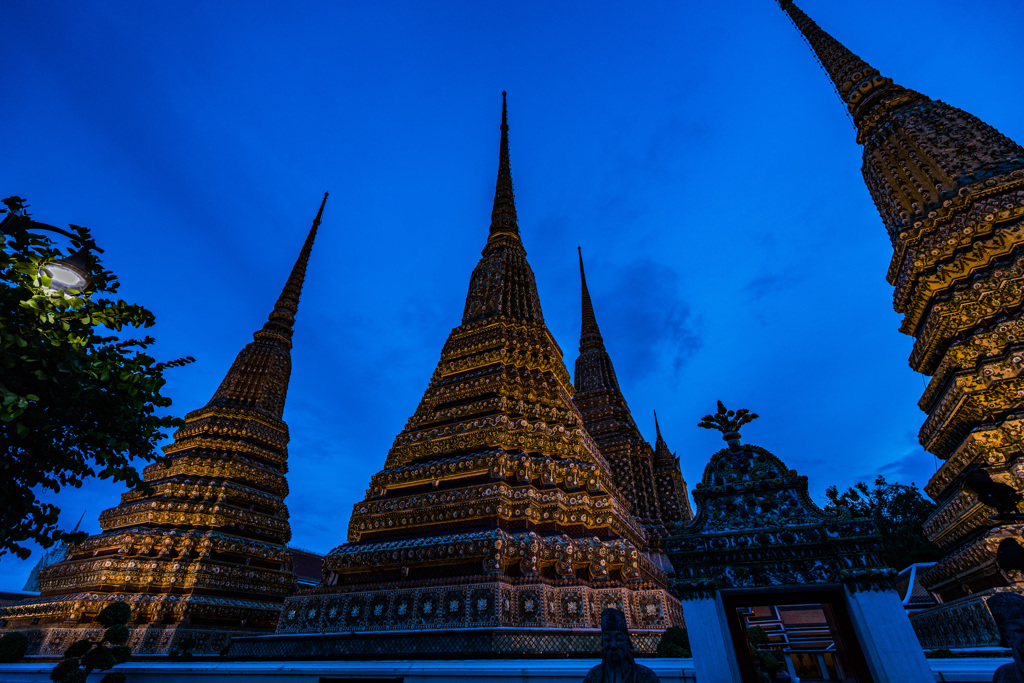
[{"x": 503, "y": 215}]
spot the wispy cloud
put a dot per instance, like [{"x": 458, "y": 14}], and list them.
[{"x": 646, "y": 322}]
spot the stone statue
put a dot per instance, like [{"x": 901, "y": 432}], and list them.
[
  {"x": 617, "y": 665},
  {"x": 1008, "y": 611}
]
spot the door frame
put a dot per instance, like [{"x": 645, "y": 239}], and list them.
[{"x": 837, "y": 614}]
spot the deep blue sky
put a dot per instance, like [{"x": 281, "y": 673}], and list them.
[{"x": 696, "y": 151}]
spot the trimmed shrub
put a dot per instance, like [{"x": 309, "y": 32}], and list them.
[
  {"x": 121, "y": 653},
  {"x": 115, "y": 613},
  {"x": 117, "y": 634},
  {"x": 86, "y": 656},
  {"x": 63, "y": 670},
  {"x": 675, "y": 642},
  {"x": 13, "y": 647}
]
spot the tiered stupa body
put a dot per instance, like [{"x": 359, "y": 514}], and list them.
[
  {"x": 495, "y": 507},
  {"x": 950, "y": 190},
  {"x": 651, "y": 482},
  {"x": 202, "y": 554}
]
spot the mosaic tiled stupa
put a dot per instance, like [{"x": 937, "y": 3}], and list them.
[
  {"x": 203, "y": 553},
  {"x": 495, "y": 507},
  {"x": 649, "y": 478},
  {"x": 950, "y": 190}
]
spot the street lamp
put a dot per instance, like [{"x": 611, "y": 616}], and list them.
[{"x": 69, "y": 273}]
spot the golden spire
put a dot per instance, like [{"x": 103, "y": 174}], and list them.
[
  {"x": 590, "y": 335},
  {"x": 662, "y": 455},
  {"x": 859, "y": 85},
  {"x": 258, "y": 379},
  {"x": 503, "y": 215},
  {"x": 502, "y": 284},
  {"x": 283, "y": 316},
  {"x": 594, "y": 368}
]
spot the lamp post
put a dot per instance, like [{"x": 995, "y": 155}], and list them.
[{"x": 70, "y": 273}]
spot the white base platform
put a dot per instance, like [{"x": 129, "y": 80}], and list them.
[
  {"x": 424, "y": 671},
  {"x": 466, "y": 671}
]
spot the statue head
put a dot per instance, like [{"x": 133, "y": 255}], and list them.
[
  {"x": 1008, "y": 611},
  {"x": 615, "y": 638}
]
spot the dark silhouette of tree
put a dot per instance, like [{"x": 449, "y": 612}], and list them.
[
  {"x": 77, "y": 400},
  {"x": 898, "y": 511}
]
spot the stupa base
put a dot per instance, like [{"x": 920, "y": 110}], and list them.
[
  {"x": 478, "y": 602},
  {"x": 479, "y": 643},
  {"x": 52, "y": 641}
]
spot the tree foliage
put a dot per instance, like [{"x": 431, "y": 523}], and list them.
[
  {"x": 77, "y": 399},
  {"x": 674, "y": 642},
  {"x": 765, "y": 661},
  {"x": 898, "y": 511}
]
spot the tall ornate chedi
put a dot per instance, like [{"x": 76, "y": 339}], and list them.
[
  {"x": 950, "y": 190},
  {"x": 495, "y": 507},
  {"x": 650, "y": 480},
  {"x": 202, "y": 553}
]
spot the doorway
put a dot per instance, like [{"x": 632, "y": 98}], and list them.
[{"x": 807, "y": 633}]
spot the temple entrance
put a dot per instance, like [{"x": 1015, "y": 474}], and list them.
[{"x": 809, "y": 634}]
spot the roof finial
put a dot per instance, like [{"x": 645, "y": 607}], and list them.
[
  {"x": 590, "y": 335},
  {"x": 657, "y": 427},
  {"x": 859, "y": 85},
  {"x": 503, "y": 216},
  {"x": 728, "y": 422},
  {"x": 283, "y": 316}
]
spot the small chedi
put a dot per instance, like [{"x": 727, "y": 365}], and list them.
[
  {"x": 496, "y": 506},
  {"x": 201, "y": 556},
  {"x": 649, "y": 478},
  {"x": 757, "y": 527},
  {"x": 950, "y": 191}
]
